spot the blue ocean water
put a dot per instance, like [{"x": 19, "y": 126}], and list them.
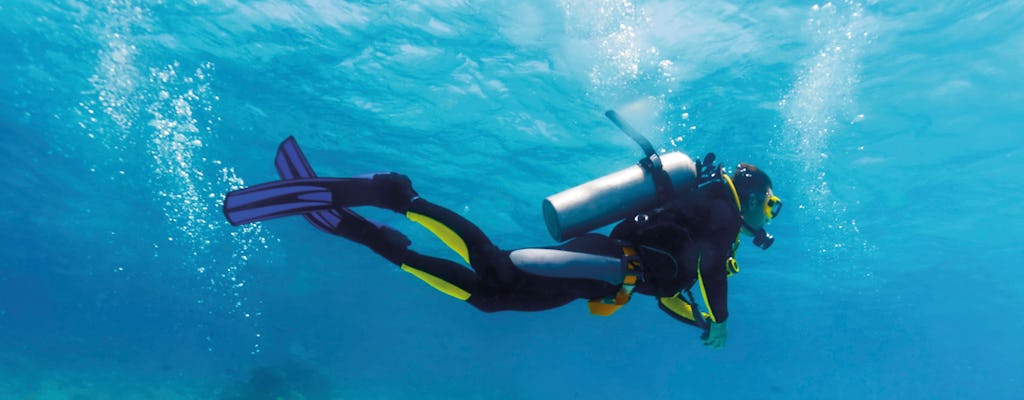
[{"x": 892, "y": 131}]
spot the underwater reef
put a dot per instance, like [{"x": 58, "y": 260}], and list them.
[{"x": 292, "y": 381}]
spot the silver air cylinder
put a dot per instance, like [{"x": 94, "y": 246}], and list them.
[{"x": 613, "y": 197}]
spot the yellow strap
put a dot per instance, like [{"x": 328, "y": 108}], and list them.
[
  {"x": 732, "y": 188},
  {"x": 438, "y": 283},
  {"x": 703, "y": 292},
  {"x": 731, "y": 266},
  {"x": 446, "y": 234}
]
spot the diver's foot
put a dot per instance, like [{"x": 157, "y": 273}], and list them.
[
  {"x": 388, "y": 243},
  {"x": 395, "y": 191}
]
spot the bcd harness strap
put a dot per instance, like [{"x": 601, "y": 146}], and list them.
[{"x": 605, "y": 306}]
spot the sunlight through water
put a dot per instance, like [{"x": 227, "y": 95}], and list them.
[{"x": 821, "y": 100}]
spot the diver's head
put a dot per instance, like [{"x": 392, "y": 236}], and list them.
[{"x": 758, "y": 205}]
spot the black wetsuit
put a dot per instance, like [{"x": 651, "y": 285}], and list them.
[
  {"x": 690, "y": 237},
  {"x": 701, "y": 227}
]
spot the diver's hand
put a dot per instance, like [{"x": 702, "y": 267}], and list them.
[{"x": 716, "y": 335}]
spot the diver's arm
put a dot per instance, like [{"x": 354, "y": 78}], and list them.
[
  {"x": 715, "y": 249},
  {"x": 713, "y": 282},
  {"x": 715, "y": 288}
]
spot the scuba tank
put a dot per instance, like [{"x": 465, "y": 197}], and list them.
[{"x": 627, "y": 192}]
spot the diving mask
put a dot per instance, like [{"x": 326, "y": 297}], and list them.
[
  {"x": 772, "y": 207},
  {"x": 762, "y": 238}
]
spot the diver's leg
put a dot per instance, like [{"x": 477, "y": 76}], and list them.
[
  {"x": 555, "y": 263},
  {"x": 327, "y": 200},
  {"x": 466, "y": 239},
  {"x": 382, "y": 239},
  {"x": 538, "y": 294},
  {"x": 394, "y": 191},
  {"x": 391, "y": 190},
  {"x": 446, "y": 276},
  {"x": 535, "y": 294},
  {"x": 591, "y": 256},
  {"x": 497, "y": 284}
]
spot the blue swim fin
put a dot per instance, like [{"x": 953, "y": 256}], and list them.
[
  {"x": 276, "y": 199},
  {"x": 322, "y": 200},
  {"x": 292, "y": 164}
]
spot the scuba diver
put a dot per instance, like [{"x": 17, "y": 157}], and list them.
[{"x": 679, "y": 225}]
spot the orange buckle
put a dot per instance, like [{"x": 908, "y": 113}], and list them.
[
  {"x": 632, "y": 266},
  {"x": 628, "y": 251}
]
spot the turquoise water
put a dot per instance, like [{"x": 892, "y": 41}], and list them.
[{"x": 892, "y": 130}]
